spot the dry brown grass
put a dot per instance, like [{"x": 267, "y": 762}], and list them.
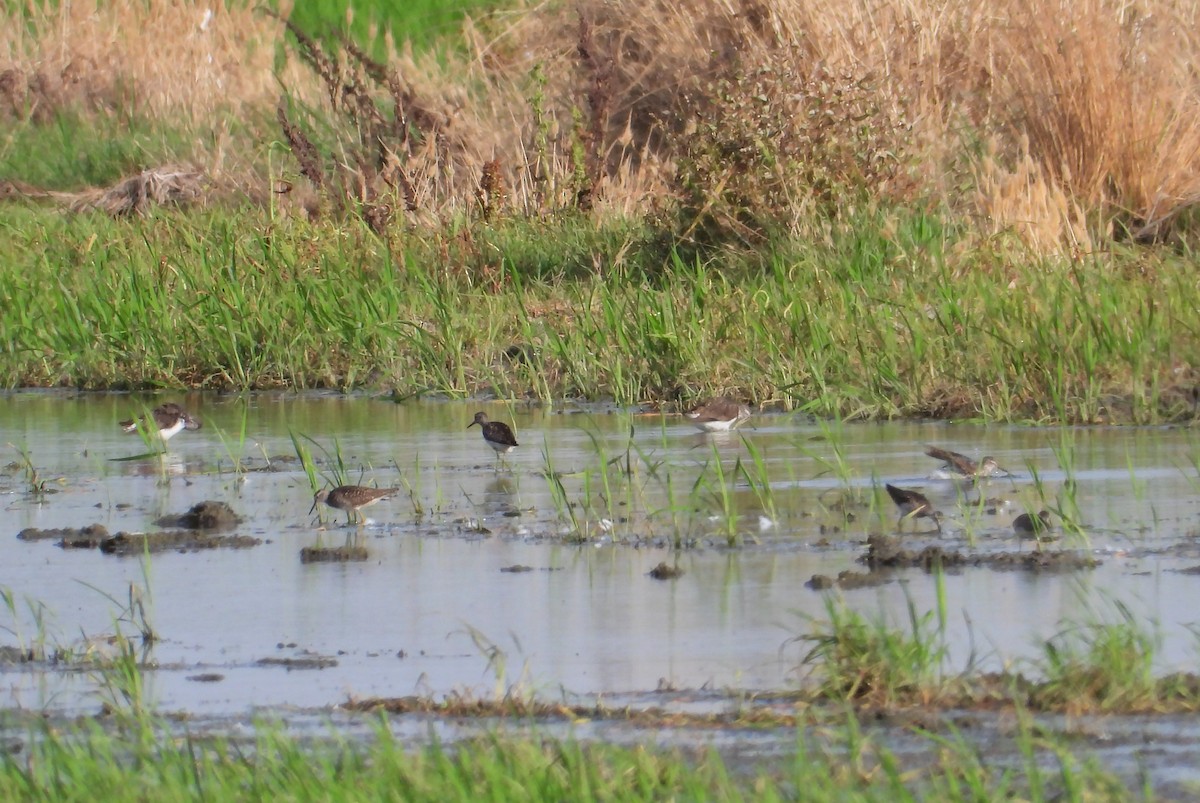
[
  {"x": 1026, "y": 200},
  {"x": 1065, "y": 122},
  {"x": 199, "y": 65},
  {"x": 186, "y": 58},
  {"x": 1107, "y": 95},
  {"x": 749, "y": 115},
  {"x": 175, "y": 185}
]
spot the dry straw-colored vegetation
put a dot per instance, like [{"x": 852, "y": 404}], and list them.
[
  {"x": 190, "y": 59},
  {"x": 134, "y": 195},
  {"x": 204, "y": 67},
  {"x": 1068, "y": 123}
]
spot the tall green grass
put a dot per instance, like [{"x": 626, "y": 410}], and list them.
[
  {"x": 83, "y": 762},
  {"x": 855, "y": 659},
  {"x": 861, "y": 327},
  {"x": 74, "y": 150},
  {"x": 422, "y": 22}
]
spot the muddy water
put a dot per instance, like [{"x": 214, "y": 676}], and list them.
[{"x": 432, "y": 609}]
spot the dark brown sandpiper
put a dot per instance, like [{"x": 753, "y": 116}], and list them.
[
  {"x": 351, "y": 498},
  {"x": 1033, "y": 528},
  {"x": 719, "y": 414},
  {"x": 913, "y": 505},
  {"x": 496, "y": 434},
  {"x": 169, "y": 419},
  {"x": 960, "y": 466}
]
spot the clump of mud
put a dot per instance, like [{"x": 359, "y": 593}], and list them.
[
  {"x": 179, "y": 540},
  {"x": 664, "y": 572},
  {"x": 207, "y": 515},
  {"x": 333, "y": 554},
  {"x": 88, "y": 537},
  {"x": 15, "y": 655},
  {"x": 311, "y": 661},
  {"x": 849, "y": 579},
  {"x": 885, "y": 552},
  {"x": 97, "y": 536}
]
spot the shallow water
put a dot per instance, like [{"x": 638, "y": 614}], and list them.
[{"x": 431, "y": 611}]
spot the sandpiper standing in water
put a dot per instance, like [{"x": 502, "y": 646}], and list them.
[
  {"x": 1033, "y": 528},
  {"x": 718, "y": 415},
  {"x": 496, "y": 434},
  {"x": 351, "y": 498},
  {"x": 960, "y": 467},
  {"x": 913, "y": 505},
  {"x": 169, "y": 420}
]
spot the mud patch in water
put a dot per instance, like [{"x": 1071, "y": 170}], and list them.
[
  {"x": 333, "y": 554},
  {"x": 97, "y": 536},
  {"x": 15, "y": 655},
  {"x": 191, "y": 531},
  {"x": 664, "y": 572},
  {"x": 177, "y": 540},
  {"x": 300, "y": 662},
  {"x": 88, "y": 537},
  {"x": 885, "y": 553},
  {"x": 207, "y": 515}
]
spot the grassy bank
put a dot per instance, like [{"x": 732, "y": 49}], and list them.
[
  {"x": 593, "y": 202},
  {"x": 885, "y": 319},
  {"x": 880, "y": 721},
  {"x": 82, "y": 763},
  {"x": 877, "y": 717}
]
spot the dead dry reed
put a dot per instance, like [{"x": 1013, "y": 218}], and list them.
[
  {"x": 174, "y": 185},
  {"x": 1066, "y": 124},
  {"x": 187, "y": 59}
]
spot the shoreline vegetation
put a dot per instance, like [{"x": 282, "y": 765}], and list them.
[
  {"x": 835, "y": 761},
  {"x": 862, "y": 328},
  {"x": 876, "y": 716},
  {"x": 889, "y": 211},
  {"x": 983, "y": 210}
]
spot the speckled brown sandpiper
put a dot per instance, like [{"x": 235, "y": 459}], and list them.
[
  {"x": 496, "y": 434},
  {"x": 169, "y": 419},
  {"x": 913, "y": 505},
  {"x": 351, "y": 498},
  {"x": 959, "y": 466},
  {"x": 719, "y": 414}
]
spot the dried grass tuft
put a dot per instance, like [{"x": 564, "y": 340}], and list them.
[
  {"x": 160, "y": 186},
  {"x": 1104, "y": 97},
  {"x": 135, "y": 195},
  {"x": 1030, "y": 203}
]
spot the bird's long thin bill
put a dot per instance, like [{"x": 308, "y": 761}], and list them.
[{"x": 143, "y": 456}]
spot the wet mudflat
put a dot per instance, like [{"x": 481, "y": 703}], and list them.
[{"x": 589, "y": 562}]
